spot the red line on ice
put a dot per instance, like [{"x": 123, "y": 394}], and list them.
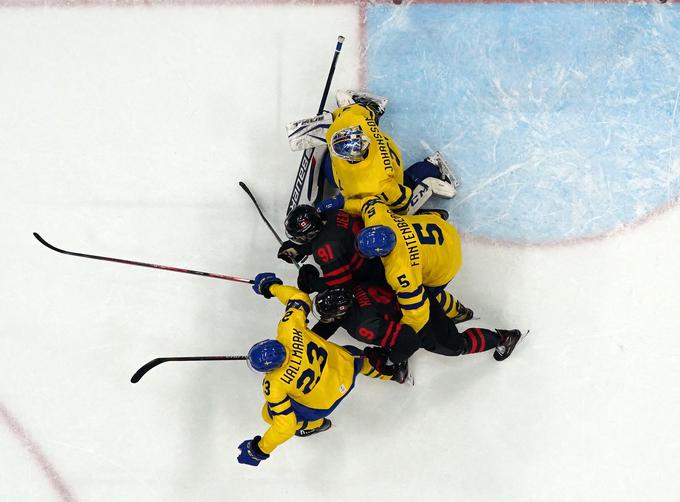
[
  {"x": 31, "y": 446},
  {"x": 362, "y": 4}
]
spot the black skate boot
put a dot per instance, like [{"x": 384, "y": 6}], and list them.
[
  {"x": 464, "y": 313},
  {"x": 402, "y": 374},
  {"x": 509, "y": 339},
  {"x": 308, "y": 432}
]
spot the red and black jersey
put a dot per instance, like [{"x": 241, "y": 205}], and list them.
[
  {"x": 334, "y": 251},
  {"x": 374, "y": 319}
]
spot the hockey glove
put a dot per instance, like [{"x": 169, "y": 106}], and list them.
[
  {"x": 292, "y": 253},
  {"x": 308, "y": 278},
  {"x": 337, "y": 202},
  {"x": 377, "y": 357},
  {"x": 251, "y": 453},
  {"x": 263, "y": 281}
]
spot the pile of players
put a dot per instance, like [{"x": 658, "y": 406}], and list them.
[{"x": 383, "y": 265}]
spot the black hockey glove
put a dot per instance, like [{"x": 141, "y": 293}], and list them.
[
  {"x": 378, "y": 358},
  {"x": 291, "y": 252},
  {"x": 308, "y": 278}
]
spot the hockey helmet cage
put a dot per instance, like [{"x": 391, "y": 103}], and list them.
[
  {"x": 266, "y": 355},
  {"x": 333, "y": 304},
  {"x": 303, "y": 224},
  {"x": 349, "y": 144}
]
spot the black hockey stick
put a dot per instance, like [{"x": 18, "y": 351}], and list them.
[
  {"x": 142, "y": 264},
  {"x": 307, "y": 155},
  {"x": 160, "y": 360},
  {"x": 257, "y": 206}
]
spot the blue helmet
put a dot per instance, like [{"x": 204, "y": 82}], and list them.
[
  {"x": 349, "y": 144},
  {"x": 266, "y": 355},
  {"x": 378, "y": 240}
]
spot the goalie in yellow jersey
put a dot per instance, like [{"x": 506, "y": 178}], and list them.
[
  {"x": 366, "y": 162},
  {"x": 306, "y": 376},
  {"x": 421, "y": 254}
]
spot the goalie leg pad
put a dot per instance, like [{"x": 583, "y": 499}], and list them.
[
  {"x": 445, "y": 170},
  {"x": 420, "y": 195}
]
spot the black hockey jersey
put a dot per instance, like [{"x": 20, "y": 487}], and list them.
[
  {"x": 374, "y": 319},
  {"x": 334, "y": 252}
]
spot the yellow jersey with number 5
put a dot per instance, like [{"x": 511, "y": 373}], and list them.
[
  {"x": 381, "y": 173},
  {"x": 427, "y": 253},
  {"x": 313, "y": 379}
]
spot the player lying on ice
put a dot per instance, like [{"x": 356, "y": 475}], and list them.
[
  {"x": 370, "y": 313},
  {"x": 365, "y": 161},
  {"x": 306, "y": 376}
]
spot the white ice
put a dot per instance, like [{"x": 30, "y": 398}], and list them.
[{"x": 124, "y": 132}]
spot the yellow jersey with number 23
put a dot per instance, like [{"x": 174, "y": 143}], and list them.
[{"x": 314, "y": 378}]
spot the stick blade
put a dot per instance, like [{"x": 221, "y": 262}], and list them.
[{"x": 144, "y": 369}]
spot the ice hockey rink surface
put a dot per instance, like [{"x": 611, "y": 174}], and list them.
[{"x": 124, "y": 130}]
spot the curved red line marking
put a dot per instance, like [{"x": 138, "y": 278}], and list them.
[
  {"x": 45, "y": 465},
  {"x": 673, "y": 204},
  {"x": 265, "y": 3}
]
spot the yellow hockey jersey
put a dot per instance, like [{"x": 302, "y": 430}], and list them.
[
  {"x": 380, "y": 174},
  {"x": 427, "y": 253},
  {"x": 314, "y": 378}
]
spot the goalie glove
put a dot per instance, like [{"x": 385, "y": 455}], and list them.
[{"x": 308, "y": 133}]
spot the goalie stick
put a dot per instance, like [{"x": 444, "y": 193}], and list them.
[
  {"x": 160, "y": 360},
  {"x": 141, "y": 264},
  {"x": 307, "y": 155}
]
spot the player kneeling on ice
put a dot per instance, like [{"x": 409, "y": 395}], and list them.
[
  {"x": 306, "y": 376},
  {"x": 370, "y": 313}
]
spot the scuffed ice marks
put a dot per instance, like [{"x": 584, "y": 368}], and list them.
[{"x": 561, "y": 119}]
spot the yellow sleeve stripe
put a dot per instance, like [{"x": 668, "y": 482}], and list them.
[
  {"x": 413, "y": 306},
  {"x": 419, "y": 291}
]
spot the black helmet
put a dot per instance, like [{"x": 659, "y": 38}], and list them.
[
  {"x": 303, "y": 224},
  {"x": 333, "y": 303}
]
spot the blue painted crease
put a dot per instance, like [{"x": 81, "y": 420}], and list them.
[{"x": 562, "y": 120}]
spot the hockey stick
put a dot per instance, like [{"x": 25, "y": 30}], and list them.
[
  {"x": 141, "y": 264},
  {"x": 307, "y": 155},
  {"x": 160, "y": 360},
  {"x": 257, "y": 206}
]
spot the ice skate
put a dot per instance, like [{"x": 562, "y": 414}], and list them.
[
  {"x": 402, "y": 374},
  {"x": 509, "y": 339},
  {"x": 464, "y": 313},
  {"x": 308, "y": 432}
]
